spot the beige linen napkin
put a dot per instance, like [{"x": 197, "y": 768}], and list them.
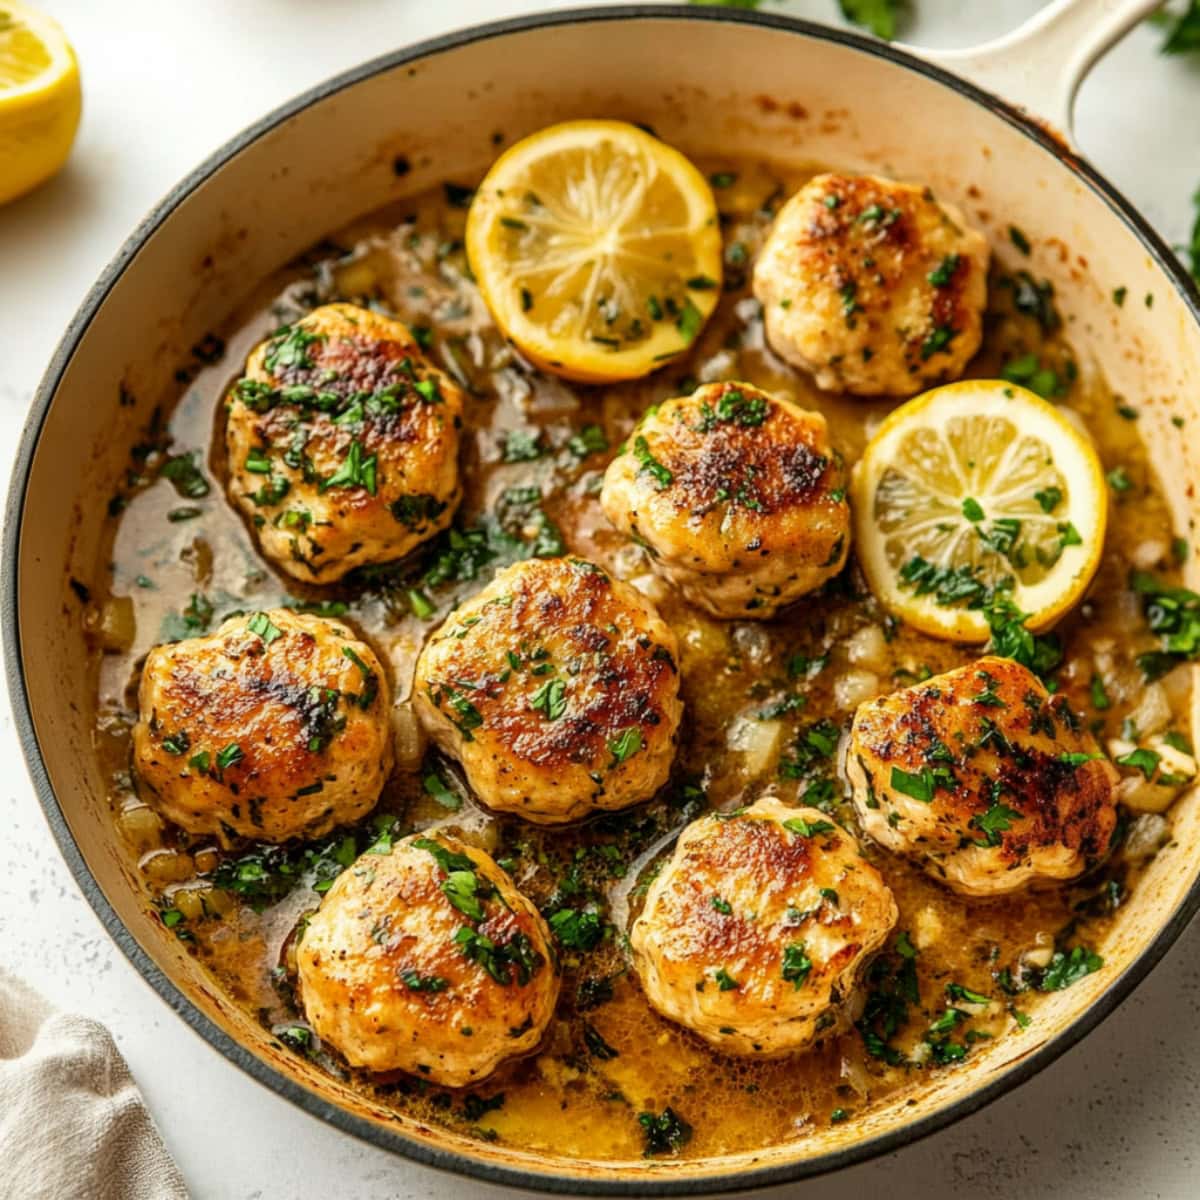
[{"x": 72, "y": 1121}]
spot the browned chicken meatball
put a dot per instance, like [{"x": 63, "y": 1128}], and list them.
[
  {"x": 872, "y": 285},
  {"x": 983, "y": 778},
  {"x": 275, "y": 726},
  {"x": 343, "y": 443},
  {"x": 427, "y": 959},
  {"x": 557, "y": 689},
  {"x": 738, "y": 496},
  {"x": 755, "y": 933}
]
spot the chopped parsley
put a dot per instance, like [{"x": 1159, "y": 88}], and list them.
[
  {"x": 626, "y": 743},
  {"x": 995, "y": 821},
  {"x": 650, "y": 465},
  {"x": 665, "y": 1132},
  {"x": 187, "y": 478},
  {"x": 943, "y": 273},
  {"x": 725, "y": 981},
  {"x": 264, "y": 627},
  {"x": 230, "y": 756},
  {"x": 577, "y": 928},
  {"x": 1068, "y": 967},
  {"x": 550, "y": 699},
  {"x": 796, "y": 964},
  {"x": 416, "y": 982},
  {"x": 1174, "y": 614},
  {"x": 355, "y": 471},
  {"x": 802, "y": 828},
  {"x": 589, "y": 440},
  {"x": 435, "y": 787}
]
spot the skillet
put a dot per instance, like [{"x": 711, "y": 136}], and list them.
[{"x": 788, "y": 90}]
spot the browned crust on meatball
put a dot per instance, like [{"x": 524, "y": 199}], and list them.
[
  {"x": 370, "y": 392},
  {"x": 1000, "y": 739},
  {"x": 386, "y": 978},
  {"x": 618, "y": 678},
  {"x": 733, "y": 444},
  {"x": 738, "y": 496},
  {"x": 861, "y": 240},
  {"x": 255, "y": 734},
  {"x": 771, "y": 863}
]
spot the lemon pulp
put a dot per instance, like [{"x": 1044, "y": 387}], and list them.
[
  {"x": 972, "y": 487},
  {"x": 39, "y": 98},
  {"x": 597, "y": 248}
]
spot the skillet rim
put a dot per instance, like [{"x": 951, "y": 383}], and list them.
[{"x": 558, "y": 1180}]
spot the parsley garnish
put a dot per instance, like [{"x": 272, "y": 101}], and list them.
[
  {"x": 650, "y": 465},
  {"x": 550, "y": 699},
  {"x": 919, "y": 786},
  {"x": 802, "y": 828},
  {"x": 436, "y": 788},
  {"x": 796, "y": 964},
  {"x": 355, "y": 471},
  {"x": 416, "y": 982},
  {"x": 1142, "y": 760},
  {"x": 230, "y": 756},
  {"x": 264, "y": 627},
  {"x": 997, "y": 820},
  {"x": 1067, "y": 968},
  {"x": 941, "y": 275},
  {"x": 289, "y": 348},
  {"x": 577, "y": 929},
  {"x": 624, "y": 744},
  {"x": 665, "y": 1132}
]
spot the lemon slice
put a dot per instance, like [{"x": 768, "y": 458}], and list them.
[
  {"x": 977, "y": 485},
  {"x": 39, "y": 98},
  {"x": 597, "y": 249}
]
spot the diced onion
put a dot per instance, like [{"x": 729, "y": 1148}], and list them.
[
  {"x": 651, "y": 586},
  {"x": 1143, "y": 796},
  {"x": 113, "y": 625},
  {"x": 752, "y": 640},
  {"x": 142, "y": 829},
  {"x": 868, "y": 648},
  {"x": 408, "y": 738},
  {"x": 1152, "y": 712},
  {"x": 757, "y": 740},
  {"x": 629, "y": 561},
  {"x": 357, "y": 278},
  {"x": 851, "y": 688},
  {"x": 1148, "y": 554},
  {"x": 1146, "y": 836},
  {"x": 167, "y": 866},
  {"x": 190, "y": 902}
]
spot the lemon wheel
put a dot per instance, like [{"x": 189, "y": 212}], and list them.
[
  {"x": 597, "y": 249},
  {"x": 39, "y": 98},
  {"x": 971, "y": 487}
]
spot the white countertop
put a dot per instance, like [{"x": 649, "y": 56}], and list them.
[{"x": 165, "y": 84}]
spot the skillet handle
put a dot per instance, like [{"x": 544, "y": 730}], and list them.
[{"x": 1041, "y": 64}]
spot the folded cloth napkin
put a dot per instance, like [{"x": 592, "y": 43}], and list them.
[{"x": 72, "y": 1121}]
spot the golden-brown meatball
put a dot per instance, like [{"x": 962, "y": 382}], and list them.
[
  {"x": 343, "y": 443},
  {"x": 275, "y": 726},
  {"x": 738, "y": 497},
  {"x": 983, "y": 778},
  {"x": 556, "y": 688},
  {"x": 755, "y": 933},
  {"x": 872, "y": 285},
  {"x": 427, "y": 959}
]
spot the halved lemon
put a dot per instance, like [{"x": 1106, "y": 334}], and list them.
[
  {"x": 39, "y": 98},
  {"x": 972, "y": 486},
  {"x": 597, "y": 249}
]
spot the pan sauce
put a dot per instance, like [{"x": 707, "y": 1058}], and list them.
[{"x": 187, "y": 560}]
